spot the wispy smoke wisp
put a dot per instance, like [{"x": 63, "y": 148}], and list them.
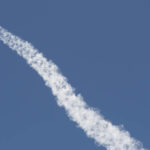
[{"x": 92, "y": 122}]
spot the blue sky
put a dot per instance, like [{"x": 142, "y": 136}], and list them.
[{"x": 103, "y": 49}]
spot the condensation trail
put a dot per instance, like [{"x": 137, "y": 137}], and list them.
[{"x": 91, "y": 121}]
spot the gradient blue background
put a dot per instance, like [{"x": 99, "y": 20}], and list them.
[{"x": 102, "y": 46}]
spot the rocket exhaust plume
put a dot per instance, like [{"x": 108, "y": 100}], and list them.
[{"x": 91, "y": 121}]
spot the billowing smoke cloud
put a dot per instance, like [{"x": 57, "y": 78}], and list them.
[{"x": 91, "y": 121}]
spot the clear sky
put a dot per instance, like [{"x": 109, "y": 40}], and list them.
[{"x": 101, "y": 46}]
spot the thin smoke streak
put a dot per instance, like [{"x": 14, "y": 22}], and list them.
[{"x": 90, "y": 120}]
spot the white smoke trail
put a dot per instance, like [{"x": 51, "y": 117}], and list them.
[{"x": 92, "y": 122}]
